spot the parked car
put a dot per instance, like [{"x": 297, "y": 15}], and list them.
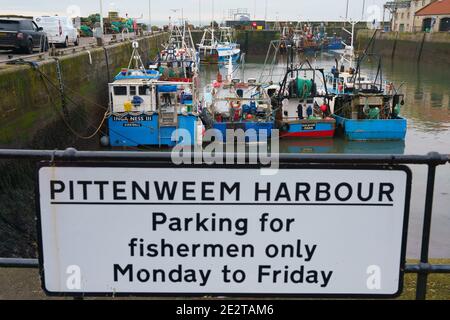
[
  {"x": 22, "y": 34},
  {"x": 60, "y": 30}
]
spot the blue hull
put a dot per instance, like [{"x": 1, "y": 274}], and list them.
[
  {"x": 144, "y": 131},
  {"x": 234, "y": 59},
  {"x": 254, "y": 130},
  {"x": 334, "y": 46},
  {"x": 364, "y": 130}
]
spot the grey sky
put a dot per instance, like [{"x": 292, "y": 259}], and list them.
[{"x": 161, "y": 9}]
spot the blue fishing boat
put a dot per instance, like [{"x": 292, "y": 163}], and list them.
[
  {"x": 227, "y": 51},
  {"x": 148, "y": 111},
  {"x": 332, "y": 43},
  {"x": 366, "y": 109}
]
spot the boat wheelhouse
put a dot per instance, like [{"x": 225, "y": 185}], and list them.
[{"x": 148, "y": 111}]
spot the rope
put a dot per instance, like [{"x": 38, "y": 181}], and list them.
[
  {"x": 98, "y": 129},
  {"x": 65, "y": 120}
]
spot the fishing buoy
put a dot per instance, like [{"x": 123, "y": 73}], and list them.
[
  {"x": 374, "y": 113},
  {"x": 397, "y": 110},
  {"x": 128, "y": 106},
  {"x": 104, "y": 141}
]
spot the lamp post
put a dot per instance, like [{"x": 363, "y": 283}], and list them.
[
  {"x": 150, "y": 16},
  {"x": 363, "y": 10},
  {"x": 346, "y": 11},
  {"x": 101, "y": 16}
]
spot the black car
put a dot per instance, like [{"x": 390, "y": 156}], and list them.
[{"x": 21, "y": 34}]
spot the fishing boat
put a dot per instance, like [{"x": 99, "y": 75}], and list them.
[
  {"x": 146, "y": 110},
  {"x": 232, "y": 104},
  {"x": 303, "y": 110},
  {"x": 365, "y": 108},
  {"x": 219, "y": 48},
  {"x": 179, "y": 58},
  {"x": 332, "y": 43}
]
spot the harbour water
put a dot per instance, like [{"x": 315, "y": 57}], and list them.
[{"x": 427, "y": 94}]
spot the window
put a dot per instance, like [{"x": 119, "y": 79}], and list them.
[
  {"x": 132, "y": 90},
  {"x": 144, "y": 90},
  {"x": 120, "y": 91},
  {"x": 27, "y": 25}
]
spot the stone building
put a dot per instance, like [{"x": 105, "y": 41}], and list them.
[
  {"x": 434, "y": 17},
  {"x": 404, "y": 14}
]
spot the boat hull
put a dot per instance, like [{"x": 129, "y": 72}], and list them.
[
  {"x": 309, "y": 129},
  {"x": 366, "y": 130},
  {"x": 226, "y": 59},
  {"x": 144, "y": 130},
  {"x": 254, "y": 131},
  {"x": 209, "y": 58}
]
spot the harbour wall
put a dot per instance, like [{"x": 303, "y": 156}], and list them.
[
  {"x": 423, "y": 48},
  {"x": 29, "y": 105},
  {"x": 33, "y": 115}
]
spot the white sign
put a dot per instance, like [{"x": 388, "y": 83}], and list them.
[{"x": 210, "y": 231}]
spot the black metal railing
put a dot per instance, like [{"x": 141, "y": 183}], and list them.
[{"x": 431, "y": 160}]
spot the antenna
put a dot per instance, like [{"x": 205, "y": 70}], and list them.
[
  {"x": 266, "y": 10},
  {"x": 199, "y": 13},
  {"x": 363, "y": 10},
  {"x": 212, "y": 17},
  {"x": 346, "y": 11}
]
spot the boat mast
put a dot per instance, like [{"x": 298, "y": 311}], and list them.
[
  {"x": 212, "y": 25},
  {"x": 136, "y": 57},
  {"x": 349, "y": 51}
]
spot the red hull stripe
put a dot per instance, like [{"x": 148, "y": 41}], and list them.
[{"x": 309, "y": 134}]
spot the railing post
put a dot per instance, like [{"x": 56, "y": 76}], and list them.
[{"x": 422, "y": 278}]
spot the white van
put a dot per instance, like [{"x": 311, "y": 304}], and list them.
[{"x": 59, "y": 30}]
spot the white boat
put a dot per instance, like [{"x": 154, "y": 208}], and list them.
[{"x": 218, "y": 49}]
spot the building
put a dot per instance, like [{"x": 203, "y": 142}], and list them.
[
  {"x": 404, "y": 14},
  {"x": 246, "y": 24},
  {"x": 240, "y": 19},
  {"x": 113, "y": 16},
  {"x": 435, "y": 17}
]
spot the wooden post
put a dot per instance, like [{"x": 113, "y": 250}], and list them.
[
  {"x": 421, "y": 47},
  {"x": 394, "y": 47}
]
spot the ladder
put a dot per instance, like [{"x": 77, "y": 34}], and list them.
[{"x": 168, "y": 117}]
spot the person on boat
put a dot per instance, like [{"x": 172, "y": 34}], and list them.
[
  {"x": 334, "y": 72},
  {"x": 300, "y": 111},
  {"x": 309, "y": 112}
]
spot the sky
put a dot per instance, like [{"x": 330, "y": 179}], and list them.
[{"x": 193, "y": 10}]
